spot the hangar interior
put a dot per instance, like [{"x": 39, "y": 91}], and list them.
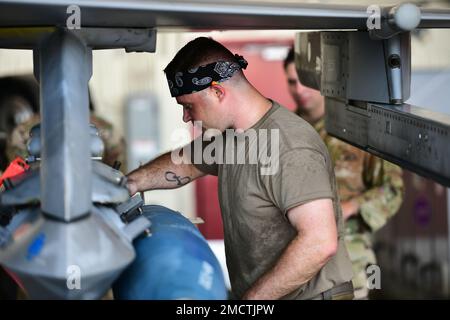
[{"x": 129, "y": 91}]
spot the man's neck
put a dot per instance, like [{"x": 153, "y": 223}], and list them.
[{"x": 250, "y": 110}]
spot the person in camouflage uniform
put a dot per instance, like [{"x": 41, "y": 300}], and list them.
[
  {"x": 114, "y": 146},
  {"x": 370, "y": 189}
]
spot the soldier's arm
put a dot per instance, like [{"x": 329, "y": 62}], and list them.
[
  {"x": 379, "y": 203},
  {"x": 162, "y": 173}
]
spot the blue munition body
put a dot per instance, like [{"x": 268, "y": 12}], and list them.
[{"x": 175, "y": 262}]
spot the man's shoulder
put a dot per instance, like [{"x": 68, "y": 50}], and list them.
[
  {"x": 294, "y": 132},
  {"x": 282, "y": 115}
]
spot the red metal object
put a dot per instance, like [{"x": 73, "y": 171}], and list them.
[{"x": 15, "y": 168}]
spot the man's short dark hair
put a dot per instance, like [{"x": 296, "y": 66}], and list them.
[
  {"x": 197, "y": 52},
  {"x": 289, "y": 58}
]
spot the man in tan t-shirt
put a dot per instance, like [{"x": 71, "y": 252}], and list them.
[{"x": 282, "y": 221}]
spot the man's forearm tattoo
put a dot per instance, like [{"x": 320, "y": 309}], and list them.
[{"x": 172, "y": 177}]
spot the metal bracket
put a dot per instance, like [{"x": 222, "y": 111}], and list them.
[
  {"x": 131, "y": 209},
  {"x": 394, "y": 20}
]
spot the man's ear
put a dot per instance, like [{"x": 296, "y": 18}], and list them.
[{"x": 218, "y": 90}]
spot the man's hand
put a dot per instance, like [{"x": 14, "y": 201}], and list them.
[
  {"x": 349, "y": 208},
  {"x": 132, "y": 187}
]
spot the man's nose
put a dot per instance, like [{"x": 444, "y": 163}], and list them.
[
  {"x": 299, "y": 87},
  {"x": 186, "y": 116}
]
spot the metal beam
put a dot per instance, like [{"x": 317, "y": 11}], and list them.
[
  {"x": 205, "y": 15},
  {"x": 64, "y": 64},
  {"x": 139, "y": 40}
]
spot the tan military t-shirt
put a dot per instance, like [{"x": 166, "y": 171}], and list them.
[{"x": 254, "y": 205}]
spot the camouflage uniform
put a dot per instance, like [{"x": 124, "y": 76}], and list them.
[
  {"x": 114, "y": 146},
  {"x": 377, "y": 186}
]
